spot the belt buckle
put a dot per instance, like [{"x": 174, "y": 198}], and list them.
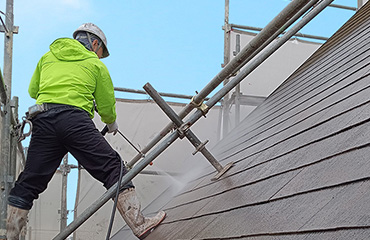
[{"x": 34, "y": 110}]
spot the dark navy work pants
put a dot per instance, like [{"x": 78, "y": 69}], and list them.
[{"x": 58, "y": 131}]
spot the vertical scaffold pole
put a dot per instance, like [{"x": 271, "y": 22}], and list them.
[
  {"x": 65, "y": 169},
  {"x": 5, "y": 178},
  {"x": 226, "y": 104}
]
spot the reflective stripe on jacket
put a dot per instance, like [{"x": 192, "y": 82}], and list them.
[{"x": 70, "y": 74}]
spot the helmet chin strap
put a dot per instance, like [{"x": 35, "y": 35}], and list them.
[{"x": 89, "y": 38}]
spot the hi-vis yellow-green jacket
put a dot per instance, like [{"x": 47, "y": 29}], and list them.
[{"x": 70, "y": 74}]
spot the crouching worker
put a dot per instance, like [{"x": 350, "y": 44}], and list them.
[{"x": 67, "y": 81}]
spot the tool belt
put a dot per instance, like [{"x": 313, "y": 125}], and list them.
[{"x": 33, "y": 111}]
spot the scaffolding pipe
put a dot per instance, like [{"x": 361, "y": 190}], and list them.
[
  {"x": 75, "y": 215},
  {"x": 14, "y": 122},
  {"x": 295, "y": 35},
  {"x": 14, "y": 143},
  {"x": 237, "y": 89},
  {"x": 343, "y": 6},
  {"x": 227, "y": 30},
  {"x": 14, "y": 104},
  {"x": 173, "y": 95},
  {"x": 5, "y": 178},
  {"x": 360, "y": 3},
  {"x": 65, "y": 169},
  {"x": 276, "y": 26},
  {"x": 8, "y": 47}
]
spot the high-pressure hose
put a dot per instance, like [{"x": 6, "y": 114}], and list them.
[{"x": 103, "y": 132}]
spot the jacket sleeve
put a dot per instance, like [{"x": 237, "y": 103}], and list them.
[
  {"x": 33, "y": 88},
  {"x": 104, "y": 96}
]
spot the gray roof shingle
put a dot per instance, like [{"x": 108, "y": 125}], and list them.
[{"x": 302, "y": 168}]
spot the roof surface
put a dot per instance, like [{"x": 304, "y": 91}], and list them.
[{"x": 302, "y": 168}]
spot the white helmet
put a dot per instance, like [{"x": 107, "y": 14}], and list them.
[{"x": 92, "y": 28}]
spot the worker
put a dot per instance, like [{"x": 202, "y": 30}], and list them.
[{"x": 67, "y": 81}]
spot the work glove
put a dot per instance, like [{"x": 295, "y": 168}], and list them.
[{"x": 113, "y": 128}]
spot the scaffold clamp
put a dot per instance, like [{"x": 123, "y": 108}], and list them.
[
  {"x": 200, "y": 147},
  {"x": 201, "y": 106},
  {"x": 183, "y": 129}
]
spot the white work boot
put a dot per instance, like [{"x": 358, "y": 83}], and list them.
[
  {"x": 129, "y": 207},
  {"x": 17, "y": 220}
]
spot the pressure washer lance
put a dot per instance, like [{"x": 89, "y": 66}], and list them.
[{"x": 105, "y": 130}]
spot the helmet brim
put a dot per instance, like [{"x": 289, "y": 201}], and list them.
[{"x": 105, "y": 52}]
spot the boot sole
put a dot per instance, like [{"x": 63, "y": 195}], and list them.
[{"x": 150, "y": 230}]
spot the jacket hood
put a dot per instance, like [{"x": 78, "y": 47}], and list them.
[{"x": 67, "y": 49}]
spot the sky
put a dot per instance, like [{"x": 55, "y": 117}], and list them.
[{"x": 176, "y": 45}]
